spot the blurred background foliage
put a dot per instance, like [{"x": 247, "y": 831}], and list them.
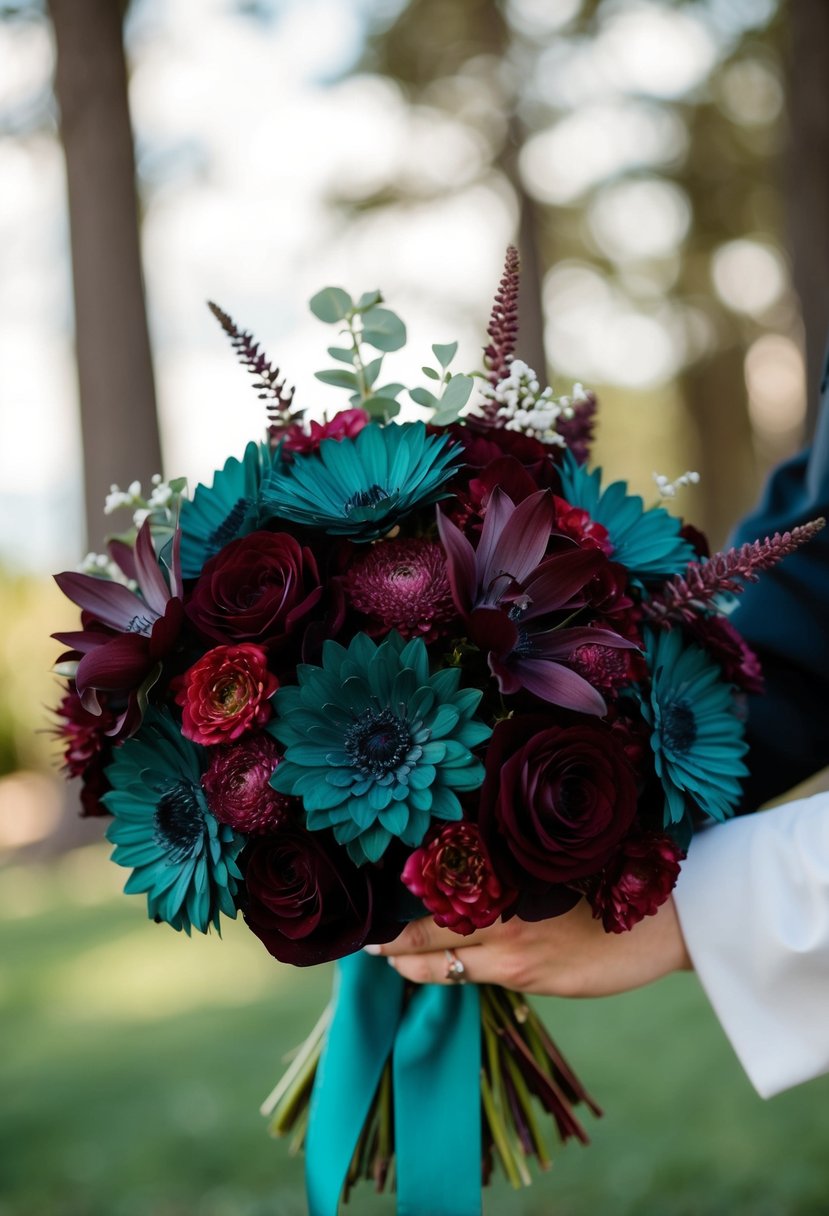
[{"x": 664, "y": 167}]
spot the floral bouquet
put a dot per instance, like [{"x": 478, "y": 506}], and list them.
[{"x": 380, "y": 670}]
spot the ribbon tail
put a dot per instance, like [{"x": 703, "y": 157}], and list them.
[
  {"x": 368, "y": 1001},
  {"x": 437, "y": 1103}
]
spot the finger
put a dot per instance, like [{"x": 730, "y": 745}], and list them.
[
  {"x": 425, "y": 937},
  {"x": 433, "y": 968}
]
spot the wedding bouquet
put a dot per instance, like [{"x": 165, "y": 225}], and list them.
[{"x": 380, "y": 670}]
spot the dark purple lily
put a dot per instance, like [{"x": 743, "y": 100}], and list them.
[
  {"x": 126, "y": 634},
  {"x": 506, "y": 585}
]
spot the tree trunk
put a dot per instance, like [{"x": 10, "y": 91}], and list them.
[
  {"x": 115, "y": 374},
  {"x": 807, "y": 180}
]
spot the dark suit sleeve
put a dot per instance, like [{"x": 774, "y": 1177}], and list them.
[{"x": 785, "y": 617}]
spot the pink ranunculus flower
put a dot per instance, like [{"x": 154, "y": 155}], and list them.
[
  {"x": 637, "y": 881},
  {"x": 453, "y": 875},
  {"x": 225, "y": 694},
  {"x": 344, "y": 425}
]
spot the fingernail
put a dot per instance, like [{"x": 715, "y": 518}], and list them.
[
  {"x": 392, "y": 962},
  {"x": 371, "y": 949}
]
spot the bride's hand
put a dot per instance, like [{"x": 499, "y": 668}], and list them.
[{"x": 570, "y": 955}]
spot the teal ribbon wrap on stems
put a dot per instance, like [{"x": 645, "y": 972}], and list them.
[{"x": 434, "y": 1038}]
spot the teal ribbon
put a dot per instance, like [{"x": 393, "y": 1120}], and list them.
[{"x": 435, "y": 1043}]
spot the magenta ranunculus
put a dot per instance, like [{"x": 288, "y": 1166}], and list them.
[
  {"x": 637, "y": 881},
  {"x": 402, "y": 585},
  {"x": 344, "y": 425},
  {"x": 225, "y": 694},
  {"x": 307, "y": 902},
  {"x": 453, "y": 874},
  {"x": 236, "y": 783},
  {"x": 555, "y": 803},
  {"x": 258, "y": 588}
]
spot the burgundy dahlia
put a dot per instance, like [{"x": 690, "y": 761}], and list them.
[
  {"x": 604, "y": 668},
  {"x": 453, "y": 874},
  {"x": 258, "y": 588},
  {"x": 402, "y": 585},
  {"x": 237, "y": 785},
  {"x": 84, "y": 734},
  {"x": 637, "y": 881},
  {"x": 225, "y": 694}
]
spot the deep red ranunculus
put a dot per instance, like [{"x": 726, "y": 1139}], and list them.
[
  {"x": 225, "y": 694},
  {"x": 577, "y": 524},
  {"x": 258, "y": 588},
  {"x": 637, "y": 881},
  {"x": 555, "y": 803},
  {"x": 236, "y": 783},
  {"x": 344, "y": 425},
  {"x": 453, "y": 874},
  {"x": 307, "y": 902}
]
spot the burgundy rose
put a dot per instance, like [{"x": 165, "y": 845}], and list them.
[
  {"x": 236, "y": 783},
  {"x": 740, "y": 665},
  {"x": 557, "y": 800},
  {"x": 258, "y": 588},
  {"x": 225, "y": 694},
  {"x": 637, "y": 881},
  {"x": 344, "y": 425},
  {"x": 307, "y": 902},
  {"x": 453, "y": 874}
]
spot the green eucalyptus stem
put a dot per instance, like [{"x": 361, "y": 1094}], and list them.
[
  {"x": 385, "y": 1138},
  {"x": 525, "y": 1099},
  {"x": 499, "y": 1133},
  {"x": 284, "y": 1101},
  {"x": 358, "y": 364}
]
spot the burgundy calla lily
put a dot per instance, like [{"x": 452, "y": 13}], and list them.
[
  {"x": 507, "y": 584},
  {"x": 125, "y": 633}
]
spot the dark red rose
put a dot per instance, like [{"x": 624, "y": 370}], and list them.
[
  {"x": 740, "y": 665},
  {"x": 637, "y": 881},
  {"x": 236, "y": 783},
  {"x": 557, "y": 800},
  {"x": 344, "y": 425},
  {"x": 453, "y": 874},
  {"x": 258, "y": 588},
  {"x": 307, "y": 902},
  {"x": 225, "y": 694}
]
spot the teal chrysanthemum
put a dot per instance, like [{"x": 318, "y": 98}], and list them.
[
  {"x": 698, "y": 739},
  {"x": 223, "y": 511},
  {"x": 375, "y": 746},
  {"x": 362, "y": 486},
  {"x": 180, "y": 855},
  {"x": 647, "y": 542}
]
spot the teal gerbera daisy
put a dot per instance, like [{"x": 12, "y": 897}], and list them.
[
  {"x": 223, "y": 511},
  {"x": 375, "y": 746},
  {"x": 698, "y": 739},
  {"x": 181, "y": 856},
  {"x": 646, "y": 541},
  {"x": 362, "y": 486}
]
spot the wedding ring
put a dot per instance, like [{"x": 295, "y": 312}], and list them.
[{"x": 455, "y": 970}]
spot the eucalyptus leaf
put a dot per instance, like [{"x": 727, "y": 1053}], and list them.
[
  {"x": 178, "y": 485},
  {"x": 341, "y": 353},
  {"x": 369, "y": 299},
  {"x": 391, "y": 390},
  {"x": 372, "y": 370},
  {"x": 338, "y": 377},
  {"x": 423, "y": 397},
  {"x": 455, "y": 397},
  {"x": 383, "y": 329},
  {"x": 330, "y": 305},
  {"x": 445, "y": 354},
  {"x": 431, "y": 373},
  {"x": 382, "y": 407}
]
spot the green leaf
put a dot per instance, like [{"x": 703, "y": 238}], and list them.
[
  {"x": 330, "y": 305},
  {"x": 391, "y": 390},
  {"x": 178, "y": 485},
  {"x": 453, "y": 400},
  {"x": 67, "y": 670},
  {"x": 372, "y": 370},
  {"x": 423, "y": 397},
  {"x": 431, "y": 373},
  {"x": 445, "y": 354},
  {"x": 383, "y": 329},
  {"x": 382, "y": 407},
  {"x": 338, "y": 377},
  {"x": 369, "y": 299},
  {"x": 341, "y": 353}
]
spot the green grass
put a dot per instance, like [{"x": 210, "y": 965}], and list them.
[{"x": 133, "y": 1063}]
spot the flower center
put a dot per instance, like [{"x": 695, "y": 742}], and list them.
[
  {"x": 377, "y": 742},
  {"x": 229, "y": 527},
  {"x": 179, "y": 821},
  {"x": 372, "y": 497},
  {"x": 679, "y": 727},
  {"x": 230, "y": 695}
]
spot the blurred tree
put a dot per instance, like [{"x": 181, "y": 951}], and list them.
[{"x": 115, "y": 373}]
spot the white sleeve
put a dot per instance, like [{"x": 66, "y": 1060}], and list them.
[{"x": 753, "y": 903}]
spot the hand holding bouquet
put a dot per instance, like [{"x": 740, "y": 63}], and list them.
[{"x": 378, "y": 670}]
